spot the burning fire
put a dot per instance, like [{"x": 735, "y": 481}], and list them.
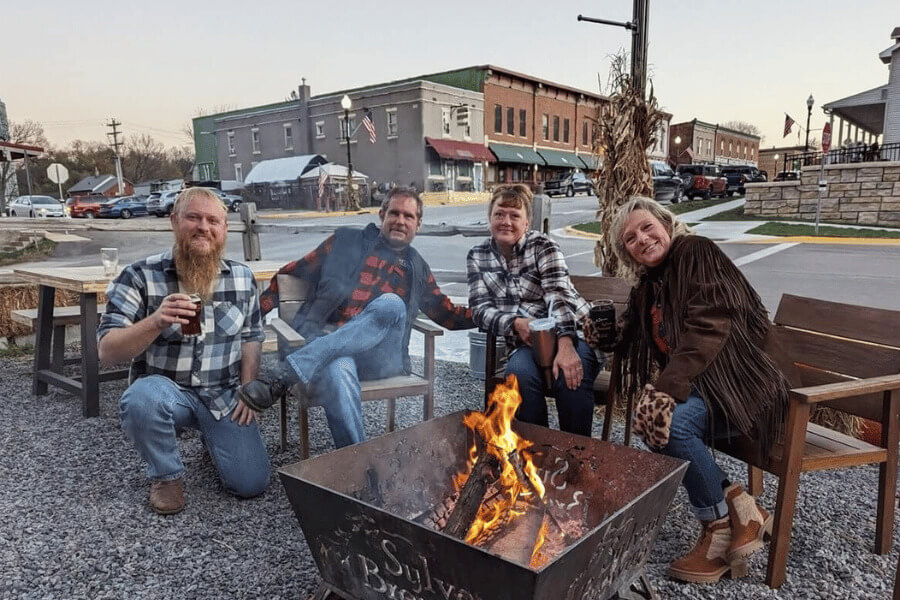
[{"x": 494, "y": 427}]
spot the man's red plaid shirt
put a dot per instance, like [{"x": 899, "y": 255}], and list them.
[{"x": 385, "y": 271}]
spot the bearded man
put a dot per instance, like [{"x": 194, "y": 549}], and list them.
[{"x": 181, "y": 380}]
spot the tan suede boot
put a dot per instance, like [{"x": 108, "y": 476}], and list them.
[
  {"x": 708, "y": 561},
  {"x": 167, "y": 497},
  {"x": 750, "y": 523}
]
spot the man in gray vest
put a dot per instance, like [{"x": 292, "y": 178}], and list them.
[{"x": 366, "y": 288}]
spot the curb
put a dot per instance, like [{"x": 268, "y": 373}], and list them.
[
  {"x": 805, "y": 239},
  {"x": 584, "y": 235},
  {"x": 318, "y": 215}
]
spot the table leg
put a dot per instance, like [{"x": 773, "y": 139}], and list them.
[
  {"x": 42, "y": 337},
  {"x": 90, "y": 365}
]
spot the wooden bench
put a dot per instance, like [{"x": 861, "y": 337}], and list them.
[
  {"x": 62, "y": 316},
  {"x": 292, "y": 293},
  {"x": 590, "y": 288},
  {"x": 845, "y": 357}
]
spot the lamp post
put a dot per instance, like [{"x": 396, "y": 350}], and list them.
[
  {"x": 776, "y": 164},
  {"x": 677, "y": 149},
  {"x": 809, "y": 104},
  {"x": 346, "y": 103}
]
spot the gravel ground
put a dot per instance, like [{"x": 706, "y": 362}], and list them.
[{"x": 74, "y": 520}]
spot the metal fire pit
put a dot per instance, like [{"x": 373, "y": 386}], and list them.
[{"x": 360, "y": 510}]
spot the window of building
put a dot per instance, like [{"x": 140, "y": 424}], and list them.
[
  {"x": 722, "y": 146},
  {"x": 511, "y": 121},
  {"x": 288, "y": 136},
  {"x": 434, "y": 167},
  {"x": 464, "y": 168},
  {"x": 730, "y": 148},
  {"x": 320, "y": 129},
  {"x": 523, "y": 118},
  {"x": 498, "y": 118},
  {"x": 555, "y": 128},
  {"x": 545, "y": 126},
  {"x": 238, "y": 172},
  {"x": 584, "y": 133},
  {"x": 566, "y": 131},
  {"x": 254, "y": 139},
  {"x": 391, "y": 122},
  {"x": 230, "y": 137},
  {"x": 445, "y": 121}
]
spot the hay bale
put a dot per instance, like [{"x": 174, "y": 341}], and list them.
[{"x": 16, "y": 297}]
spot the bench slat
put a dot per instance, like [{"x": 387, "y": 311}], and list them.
[
  {"x": 875, "y": 325},
  {"x": 62, "y": 315},
  {"x": 393, "y": 387},
  {"x": 839, "y": 355}
]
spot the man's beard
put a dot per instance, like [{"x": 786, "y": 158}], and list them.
[{"x": 197, "y": 272}]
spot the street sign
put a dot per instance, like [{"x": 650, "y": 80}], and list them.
[
  {"x": 826, "y": 138},
  {"x": 58, "y": 173}
]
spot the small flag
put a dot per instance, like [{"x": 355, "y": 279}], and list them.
[
  {"x": 690, "y": 152},
  {"x": 323, "y": 177},
  {"x": 369, "y": 125},
  {"x": 788, "y": 124}
]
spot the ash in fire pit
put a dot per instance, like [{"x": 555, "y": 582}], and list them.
[{"x": 375, "y": 515}]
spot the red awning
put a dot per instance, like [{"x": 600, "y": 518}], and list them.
[{"x": 455, "y": 150}]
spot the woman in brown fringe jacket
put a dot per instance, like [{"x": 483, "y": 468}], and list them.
[{"x": 694, "y": 320}]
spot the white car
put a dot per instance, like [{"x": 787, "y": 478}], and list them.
[{"x": 35, "y": 206}]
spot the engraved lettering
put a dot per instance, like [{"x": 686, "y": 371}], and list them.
[
  {"x": 391, "y": 565},
  {"x": 370, "y": 572},
  {"x": 412, "y": 575},
  {"x": 560, "y": 471},
  {"x": 577, "y": 500},
  {"x": 445, "y": 589}
]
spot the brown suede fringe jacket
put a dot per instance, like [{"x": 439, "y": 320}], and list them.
[{"x": 718, "y": 331}]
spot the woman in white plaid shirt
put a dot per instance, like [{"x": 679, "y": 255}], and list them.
[{"x": 515, "y": 277}]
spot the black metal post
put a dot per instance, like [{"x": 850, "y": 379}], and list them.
[
  {"x": 808, "y": 115},
  {"x": 350, "y": 202}
]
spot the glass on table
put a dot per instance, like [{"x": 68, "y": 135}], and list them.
[{"x": 109, "y": 258}]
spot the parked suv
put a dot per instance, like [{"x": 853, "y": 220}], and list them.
[
  {"x": 161, "y": 203},
  {"x": 85, "y": 206},
  {"x": 738, "y": 175},
  {"x": 667, "y": 186},
  {"x": 702, "y": 180},
  {"x": 569, "y": 184},
  {"x": 35, "y": 206}
]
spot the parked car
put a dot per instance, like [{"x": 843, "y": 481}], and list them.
[
  {"x": 702, "y": 180},
  {"x": 667, "y": 186},
  {"x": 232, "y": 201},
  {"x": 738, "y": 175},
  {"x": 569, "y": 184},
  {"x": 85, "y": 206},
  {"x": 787, "y": 176},
  {"x": 161, "y": 203},
  {"x": 35, "y": 206},
  {"x": 123, "y": 207}
]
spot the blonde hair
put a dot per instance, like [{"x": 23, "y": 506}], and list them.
[
  {"x": 188, "y": 194},
  {"x": 675, "y": 227},
  {"x": 515, "y": 195}
]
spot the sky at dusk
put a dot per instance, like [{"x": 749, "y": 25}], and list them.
[{"x": 72, "y": 66}]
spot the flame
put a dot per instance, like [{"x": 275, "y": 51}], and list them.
[
  {"x": 494, "y": 427},
  {"x": 538, "y": 558}
]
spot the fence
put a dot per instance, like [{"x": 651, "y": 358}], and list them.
[{"x": 855, "y": 154}]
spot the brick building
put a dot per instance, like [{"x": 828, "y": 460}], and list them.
[{"x": 698, "y": 142}]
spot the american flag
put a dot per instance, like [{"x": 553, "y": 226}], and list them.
[
  {"x": 369, "y": 125},
  {"x": 689, "y": 151},
  {"x": 323, "y": 177},
  {"x": 788, "y": 124}
]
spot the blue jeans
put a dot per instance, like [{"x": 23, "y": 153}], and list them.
[
  {"x": 687, "y": 441},
  {"x": 575, "y": 407},
  {"x": 151, "y": 410},
  {"x": 368, "y": 346}
]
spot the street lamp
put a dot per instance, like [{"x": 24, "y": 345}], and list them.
[
  {"x": 677, "y": 148},
  {"x": 776, "y": 164},
  {"x": 346, "y": 103},
  {"x": 809, "y": 104}
]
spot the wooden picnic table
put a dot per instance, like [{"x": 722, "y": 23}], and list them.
[{"x": 87, "y": 282}]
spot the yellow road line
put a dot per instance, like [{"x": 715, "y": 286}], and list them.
[
  {"x": 570, "y": 230},
  {"x": 809, "y": 239}
]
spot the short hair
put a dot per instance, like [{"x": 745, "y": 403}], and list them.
[
  {"x": 516, "y": 195},
  {"x": 405, "y": 192},
  {"x": 188, "y": 194},
  {"x": 674, "y": 226}
]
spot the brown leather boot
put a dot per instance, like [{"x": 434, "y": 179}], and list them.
[
  {"x": 750, "y": 523},
  {"x": 708, "y": 561},
  {"x": 167, "y": 497}
]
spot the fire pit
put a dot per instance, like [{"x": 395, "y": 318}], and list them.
[{"x": 369, "y": 513}]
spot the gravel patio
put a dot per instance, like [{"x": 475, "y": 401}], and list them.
[{"x": 74, "y": 520}]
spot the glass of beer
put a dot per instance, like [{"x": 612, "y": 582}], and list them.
[
  {"x": 603, "y": 317},
  {"x": 192, "y": 328}
]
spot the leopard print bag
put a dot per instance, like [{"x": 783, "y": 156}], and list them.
[{"x": 652, "y": 417}]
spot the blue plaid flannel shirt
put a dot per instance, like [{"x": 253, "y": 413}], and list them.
[
  {"x": 208, "y": 365},
  {"x": 537, "y": 274}
]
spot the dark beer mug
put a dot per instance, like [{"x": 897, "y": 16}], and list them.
[
  {"x": 603, "y": 317},
  {"x": 192, "y": 327}
]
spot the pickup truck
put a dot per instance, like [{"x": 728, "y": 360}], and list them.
[
  {"x": 738, "y": 175},
  {"x": 702, "y": 180}
]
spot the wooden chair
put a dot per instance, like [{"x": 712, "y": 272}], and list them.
[
  {"x": 590, "y": 288},
  {"x": 845, "y": 357},
  {"x": 292, "y": 293}
]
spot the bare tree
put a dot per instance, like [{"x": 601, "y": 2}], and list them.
[
  {"x": 144, "y": 158},
  {"x": 745, "y": 127},
  {"x": 30, "y": 133},
  {"x": 188, "y": 128}
]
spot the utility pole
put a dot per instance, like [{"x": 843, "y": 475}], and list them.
[
  {"x": 638, "y": 25},
  {"x": 114, "y": 144}
]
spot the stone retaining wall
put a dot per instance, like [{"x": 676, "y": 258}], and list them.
[{"x": 857, "y": 193}]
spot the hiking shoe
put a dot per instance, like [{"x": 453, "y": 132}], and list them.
[
  {"x": 750, "y": 523},
  {"x": 167, "y": 497},
  {"x": 708, "y": 560}
]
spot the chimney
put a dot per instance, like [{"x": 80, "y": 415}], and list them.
[{"x": 303, "y": 90}]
